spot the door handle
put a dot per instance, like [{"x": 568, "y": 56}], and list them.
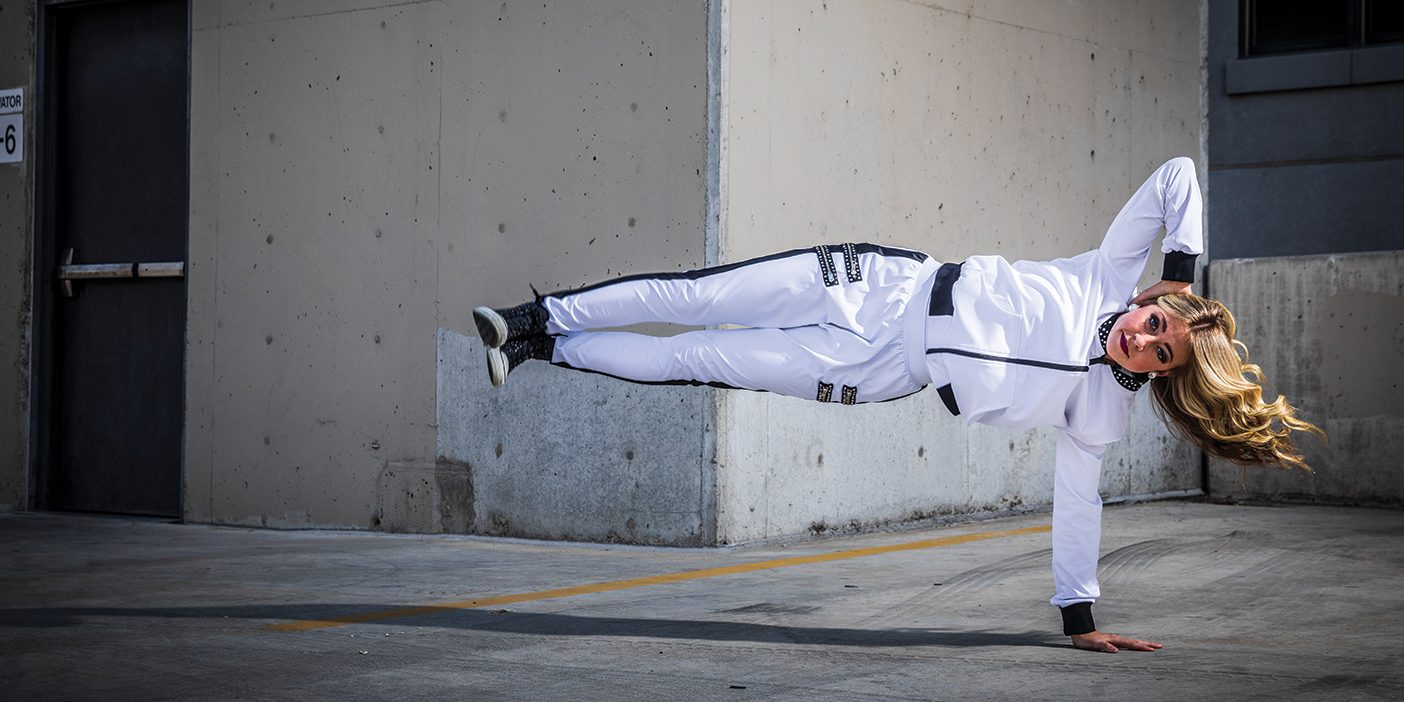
[{"x": 69, "y": 272}]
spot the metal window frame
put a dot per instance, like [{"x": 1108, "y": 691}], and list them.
[
  {"x": 1357, "y": 64},
  {"x": 1247, "y": 30},
  {"x": 1358, "y": 15}
]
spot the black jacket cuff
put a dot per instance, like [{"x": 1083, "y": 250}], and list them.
[
  {"x": 1077, "y": 619},
  {"x": 1179, "y": 266}
]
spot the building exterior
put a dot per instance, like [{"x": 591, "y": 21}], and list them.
[
  {"x": 356, "y": 175},
  {"x": 1306, "y": 170}
]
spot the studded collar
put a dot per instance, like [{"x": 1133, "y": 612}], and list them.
[{"x": 1130, "y": 381}]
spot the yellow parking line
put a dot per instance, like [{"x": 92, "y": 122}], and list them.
[{"x": 651, "y": 580}]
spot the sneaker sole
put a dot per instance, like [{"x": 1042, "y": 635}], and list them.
[
  {"x": 497, "y": 367},
  {"x": 492, "y": 328}
]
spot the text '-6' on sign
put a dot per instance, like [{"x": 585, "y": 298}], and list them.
[{"x": 12, "y": 125}]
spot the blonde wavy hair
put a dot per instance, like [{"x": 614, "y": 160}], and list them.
[{"x": 1215, "y": 400}]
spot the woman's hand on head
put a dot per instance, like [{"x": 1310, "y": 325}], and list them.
[
  {"x": 1111, "y": 643},
  {"x": 1164, "y": 287}
]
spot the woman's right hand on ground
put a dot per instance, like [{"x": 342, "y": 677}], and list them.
[{"x": 1110, "y": 643}]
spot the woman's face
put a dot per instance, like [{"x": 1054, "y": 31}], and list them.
[{"x": 1147, "y": 339}]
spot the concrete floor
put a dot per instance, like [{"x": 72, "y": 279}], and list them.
[{"x": 1250, "y": 602}]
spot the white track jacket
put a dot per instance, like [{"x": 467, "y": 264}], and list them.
[{"x": 1017, "y": 346}]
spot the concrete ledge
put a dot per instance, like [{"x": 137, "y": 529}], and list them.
[
  {"x": 1327, "y": 332},
  {"x": 1291, "y": 72},
  {"x": 559, "y": 454},
  {"x": 1377, "y": 65}
]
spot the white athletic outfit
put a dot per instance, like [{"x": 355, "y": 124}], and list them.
[
  {"x": 1008, "y": 344},
  {"x": 810, "y": 326}
]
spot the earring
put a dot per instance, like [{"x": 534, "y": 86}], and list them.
[{"x": 1152, "y": 374}]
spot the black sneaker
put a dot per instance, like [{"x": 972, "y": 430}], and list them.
[
  {"x": 502, "y": 360},
  {"x": 498, "y": 326}
]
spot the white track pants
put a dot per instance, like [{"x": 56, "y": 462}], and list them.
[{"x": 826, "y": 323}]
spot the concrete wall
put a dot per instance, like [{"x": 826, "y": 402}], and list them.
[
  {"x": 363, "y": 173},
  {"x": 1327, "y": 331},
  {"x": 16, "y": 217},
  {"x": 1300, "y": 171},
  {"x": 957, "y": 128}
]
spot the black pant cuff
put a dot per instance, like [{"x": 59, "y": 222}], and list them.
[{"x": 1077, "y": 619}]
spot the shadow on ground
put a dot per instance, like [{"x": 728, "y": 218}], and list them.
[{"x": 510, "y": 622}]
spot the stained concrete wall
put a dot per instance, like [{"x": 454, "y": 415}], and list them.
[
  {"x": 16, "y": 217},
  {"x": 581, "y": 154},
  {"x": 957, "y": 128},
  {"x": 1327, "y": 331},
  {"x": 363, "y": 174}
]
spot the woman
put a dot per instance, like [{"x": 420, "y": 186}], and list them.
[{"x": 1063, "y": 343}]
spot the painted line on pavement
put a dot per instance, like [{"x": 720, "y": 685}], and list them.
[{"x": 401, "y": 612}]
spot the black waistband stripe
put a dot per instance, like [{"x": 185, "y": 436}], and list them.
[
  {"x": 941, "y": 303},
  {"x": 948, "y": 397}
]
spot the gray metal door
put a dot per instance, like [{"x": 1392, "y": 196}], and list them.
[{"x": 115, "y": 193}]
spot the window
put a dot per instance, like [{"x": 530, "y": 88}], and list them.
[
  {"x": 1291, "y": 26},
  {"x": 1384, "y": 22}
]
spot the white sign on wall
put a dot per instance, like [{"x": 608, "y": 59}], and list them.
[{"x": 12, "y": 125}]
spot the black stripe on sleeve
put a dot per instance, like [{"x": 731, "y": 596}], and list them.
[{"x": 1179, "y": 266}]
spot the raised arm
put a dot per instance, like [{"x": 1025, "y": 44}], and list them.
[
  {"x": 1077, "y": 536},
  {"x": 1170, "y": 198}
]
